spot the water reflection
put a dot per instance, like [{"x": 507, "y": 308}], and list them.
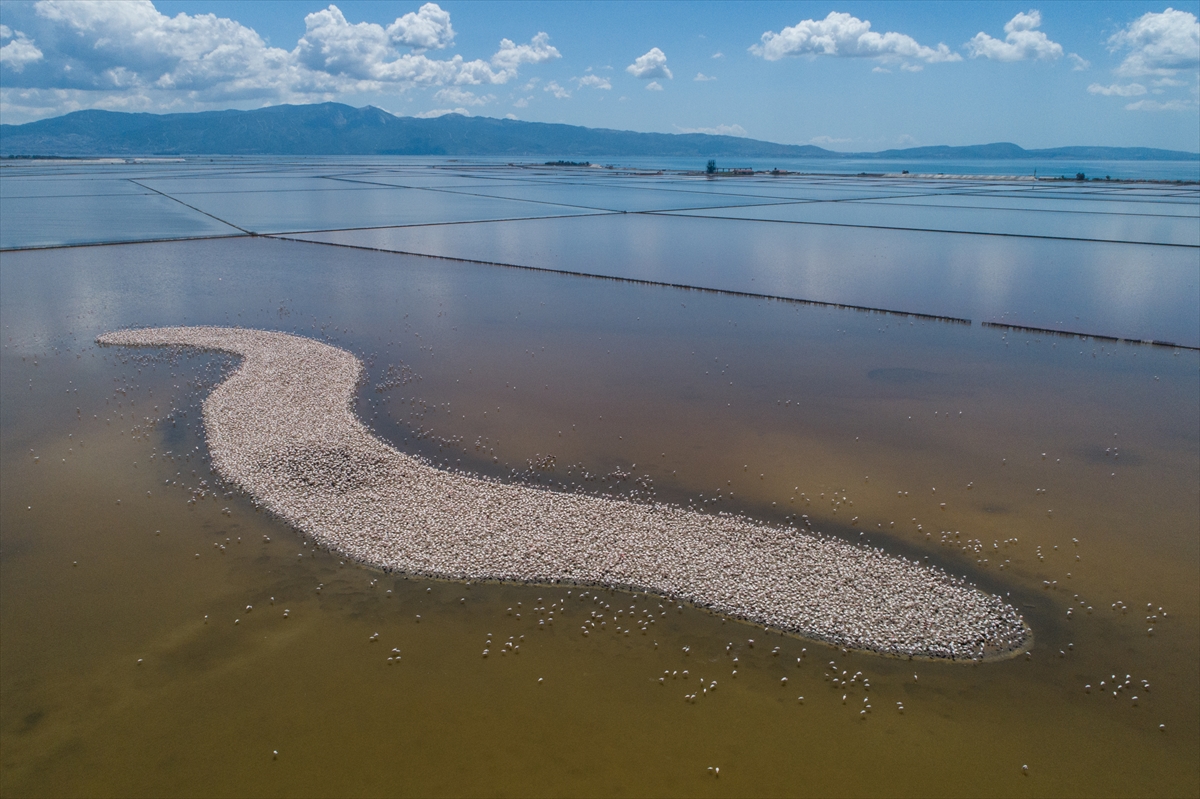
[
  {"x": 85, "y": 219},
  {"x": 1067, "y": 468},
  {"x": 1122, "y": 290},
  {"x": 1123, "y": 259}
]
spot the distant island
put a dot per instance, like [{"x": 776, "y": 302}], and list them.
[{"x": 337, "y": 129}]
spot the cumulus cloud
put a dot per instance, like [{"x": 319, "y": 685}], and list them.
[
  {"x": 427, "y": 29},
  {"x": 719, "y": 130},
  {"x": 844, "y": 35},
  {"x": 556, "y": 90},
  {"x": 595, "y": 81},
  {"x": 1158, "y": 44},
  {"x": 125, "y": 53},
  {"x": 1080, "y": 63},
  {"x": 1129, "y": 90},
  {"x": 522, "y": 102},
  {"x": 131, "y": 47},
  {"x": 1022, "y": 41},
  {"x": 654, "y": 86},
  {"x": 651, "y": 65},
  {"x": 19, "y": 50},
  {"x": 364, "y": 51},
  {"x": 511, "y": 56},
  {"x": 701, "y": 77}
]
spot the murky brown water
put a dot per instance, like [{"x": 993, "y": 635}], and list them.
[{"x": 851, "y": 418}]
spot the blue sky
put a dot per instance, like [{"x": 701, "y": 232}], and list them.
[{"x": 843, "y": 75}]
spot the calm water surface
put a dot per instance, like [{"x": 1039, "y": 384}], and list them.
[
  {"x": 1083, "y": 257},
  {"x": 1098, "y": 258},
  {"x": 133, "y": 663},
  {"x": 1102, "y": 288}
]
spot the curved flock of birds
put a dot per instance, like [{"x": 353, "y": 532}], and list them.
[{"x": 283, "y": 430}]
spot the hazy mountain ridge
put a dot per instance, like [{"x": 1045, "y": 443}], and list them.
[{"x": 337, "y": 129}]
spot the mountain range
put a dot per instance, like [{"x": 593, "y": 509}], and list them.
[{"x": 337, "y": 129}]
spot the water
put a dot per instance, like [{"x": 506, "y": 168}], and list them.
[
  {"x": 702, "y": 391},
  {"x": 1041, "y": 167},
  {"x": 1100, "y": 288},
  {"x": 1071, "y": 257}
]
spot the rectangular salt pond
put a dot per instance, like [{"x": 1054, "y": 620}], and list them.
[
  {"x": 49, "y": 221},
  {"x": 1123, "y": 260},
  {"x": 1102, "y": 288},
  {"x": 857, "y": 416},
  {"x": 1065, "y": 224}
]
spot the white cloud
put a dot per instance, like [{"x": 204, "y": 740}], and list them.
[
  {"x": 131, "y": 47},
  {"x": 843, "y": 35},
  {"x": 719, "y": 130},
  {"x": 824, "y": 141},
  {"x": 654, "y": 86},
  {"x": 881, "y": 70},
  {"x": 1155, "y": 105},
  {"x": 718, "y": 54},
  {"x": 441, "y": 112},
  {"x": 1022, "y": 41},
  {"x": 504, "y": 64},
  {"x": 19, "y": 51},
  {"x": 522, "y": 102},
  {"x": 427, "y": 29},
  {"x": 1129, "y": 90},
  {"x": 125, "y": 53},
  {"x": 455, "y": 95},
  {"x": 701, "y": 77},
  {"x": 510, "y": 116},
  {"x": 651, "y": 65},
  {"x": 511, "y": 56},
  {"x": 595, "y": 81},
  {"x": 1159, "y": 44},
  {"x": 556, "y": 90},
  {"x": 366, "y": 51},
  {"x": 1080, "y": 63},
  {"x": 910, "y": 67},
  {"x": 362, "y": 51}
]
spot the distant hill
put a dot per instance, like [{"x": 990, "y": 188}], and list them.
[{"x": 336, "y": 129}]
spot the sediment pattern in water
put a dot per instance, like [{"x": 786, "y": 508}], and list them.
[{"x": 283, "y": 430}]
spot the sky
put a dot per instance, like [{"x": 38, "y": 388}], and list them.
[{"x": 848, "y": 76}]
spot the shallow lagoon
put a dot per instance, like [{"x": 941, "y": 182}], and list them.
[{"x": 767, "y": 400}]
